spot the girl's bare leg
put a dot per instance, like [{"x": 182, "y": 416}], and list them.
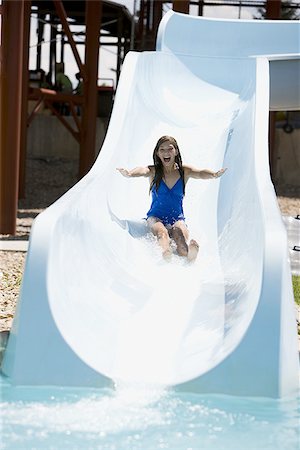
[
  {"x": 163, "y": 239},
  {"x": 180, "y": 235}
]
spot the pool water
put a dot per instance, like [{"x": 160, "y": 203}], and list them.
[{"x": 143, "y": 417}]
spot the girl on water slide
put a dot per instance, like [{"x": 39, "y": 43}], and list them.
[{"x": 168, "y": 177}]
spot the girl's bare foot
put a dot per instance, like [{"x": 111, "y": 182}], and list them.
[
  {"x": 177, "y": 235},
  {"x": 167, "y": 254},
  {"x": 193, "y": 250}
]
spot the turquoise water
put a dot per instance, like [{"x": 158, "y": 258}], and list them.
[{"x": 143, "y": 418}]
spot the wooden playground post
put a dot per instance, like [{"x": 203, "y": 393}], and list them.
[
  {"x": 182, "y": 6},
  {"x": 12, "y": 29},
  {"x": 93, "y": 17}
]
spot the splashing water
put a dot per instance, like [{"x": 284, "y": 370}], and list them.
[{"x": 143, "y": 417}]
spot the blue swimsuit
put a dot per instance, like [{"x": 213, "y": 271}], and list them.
[{"x": 167, "y": 203}]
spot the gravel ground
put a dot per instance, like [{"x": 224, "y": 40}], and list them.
[
  {"x": 47, "y": 180},
  {"x": 288, "y": 198},
  {"x": 11, "y": 271}
]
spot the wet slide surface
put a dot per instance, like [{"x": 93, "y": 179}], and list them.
[
  {"x": 122, "y": 312},
  {"x": 164, "y": 321}
]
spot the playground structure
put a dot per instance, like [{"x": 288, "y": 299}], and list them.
[
  {"x": 96, "y": 303},
  {"x": 131, "y": 31},
  {"x": 113, "y": 19}
]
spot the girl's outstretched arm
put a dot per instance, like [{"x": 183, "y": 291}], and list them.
[
  {"x": 204, "y": 174},
  {"x": 136, "y": 172}
]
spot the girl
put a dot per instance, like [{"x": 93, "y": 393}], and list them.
[{"x": 168, "y": 178}]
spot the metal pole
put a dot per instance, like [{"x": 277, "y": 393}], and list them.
[
  {"x": 11, "y": 104},
  {"x": 63, "y": 18},
  {"x": 133, "y": 26},
  {"x": 52, "y": 52},
  {"x": 273, "y": 11},
  {"x": 141, "y": 33},
  {"x": 240, "y": 10},
  {"x": 62, "y": 47},
  {"x": 119, "y": 48},
  {"x": 40, "y": 32},
  {"x": 200, "y": 8}
]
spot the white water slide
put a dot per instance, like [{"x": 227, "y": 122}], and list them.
[{"x": 98, "y": 303}]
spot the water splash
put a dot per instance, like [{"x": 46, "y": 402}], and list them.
[{"x": 141, "y": 416}]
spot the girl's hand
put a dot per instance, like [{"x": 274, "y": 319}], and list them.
[
  {"x": 219, "y": 173},
  {"x": 124, "y": 172},
  {"x": 136, "y": 172}
]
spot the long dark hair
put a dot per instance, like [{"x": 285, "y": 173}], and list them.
[{"x": 158, "y": 166}]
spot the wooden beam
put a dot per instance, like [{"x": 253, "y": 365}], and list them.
[
  {"x": 182, "y": 6},
  {"x": 93, "y": 17},
  {"x": 49, "y": 97},
  {"x": 157, "y": 15},
  {"x": 35, "y": 110},
  {"x": 54, "y": 96},
  {"x": 10, "y": 116},
  {"x": 75, "y": 117},
  {"x": 61, "y": 118},
  {"x": 273, "y": 9}
]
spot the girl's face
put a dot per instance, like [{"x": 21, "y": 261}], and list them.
[{"x": 166, "y": 153}]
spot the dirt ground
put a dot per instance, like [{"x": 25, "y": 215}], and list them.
[{"x": 46, "y": 181}]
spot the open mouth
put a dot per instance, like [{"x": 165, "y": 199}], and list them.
[{"x": 167, "y": 159}]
